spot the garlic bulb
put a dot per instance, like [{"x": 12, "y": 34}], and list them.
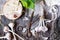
[{"x": 12, "y": 9}]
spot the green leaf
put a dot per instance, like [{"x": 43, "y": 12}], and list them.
[
  {"x": 24, "y": 3},
  {"x": 30, "y": 4}
]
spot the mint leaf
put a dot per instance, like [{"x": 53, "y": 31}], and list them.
[{"x": 30, "y": 4}]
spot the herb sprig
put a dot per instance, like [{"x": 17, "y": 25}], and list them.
[{"x": 30, "y": 4}]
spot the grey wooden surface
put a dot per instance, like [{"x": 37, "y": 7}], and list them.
[{"x": 22, "y": 23}]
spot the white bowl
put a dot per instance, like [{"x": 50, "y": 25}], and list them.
[{"x": 12, "y": 9}]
